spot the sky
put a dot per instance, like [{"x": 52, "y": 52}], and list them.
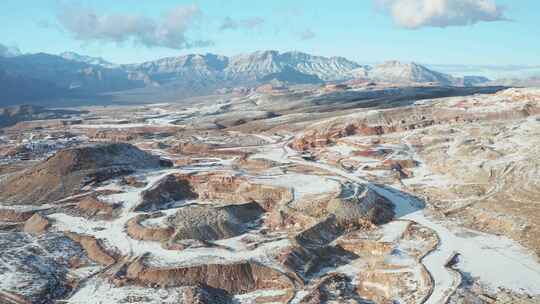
[{"x": 494, "y": 32}]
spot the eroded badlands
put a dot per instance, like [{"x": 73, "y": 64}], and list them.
[{"x": 370, "y": 194}]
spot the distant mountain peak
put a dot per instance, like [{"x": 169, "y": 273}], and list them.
[
  {"x": 87, "y": 59},
  {"x": 9, "y": 51},
  {"x": 408, "y": 72}
]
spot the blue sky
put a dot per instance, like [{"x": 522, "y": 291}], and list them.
[{"x": 367, "y": 31}]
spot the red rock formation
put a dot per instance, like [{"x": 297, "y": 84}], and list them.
[
  {"x": 93, "y": 248},
  {"x": 399, "y": 119},
  {"x": 11, "y": 298},
  {"x": 13, "y": 215},
  {"x": 231, "y": 189},
  {"x": 139, "y": 232},
  {"x": 37, "y": 224},
  {"x": 234, "y": 278},
  {"x": 91, "y": 206},
  {"x": 65, "y": 173},
  {"x": 171, "y": 188}
]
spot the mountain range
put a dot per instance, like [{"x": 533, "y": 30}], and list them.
[{"x": 43, "y": 76}]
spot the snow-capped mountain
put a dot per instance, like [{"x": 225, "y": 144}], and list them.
[
  {"x": 194, "y": 74},
  {"x": 398, "y": 72},
  {"x": 207, "y": 67},
  {"x": 246, "y": 68},
  {"x": 88, "y": 59},
  {"x": 266, "y": 62}
]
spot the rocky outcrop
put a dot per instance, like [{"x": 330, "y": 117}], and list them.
[
  {"x": 306, "y": 261},
  {"x": 201, "y": 294},
  {"x": 322, "y": 233},
  {"x": 311, "y": 250},
  {"x": 203, "y": 222},
  {"x": 93, "y": 248},
  {"x": 12, "y": 298},
  {"x": 235, "y": 189},
  {"x": 255, "y": 165},
  {"x": 169, "y": 189},
  {"x": 92, "y": 207},
  {"x": 68, "y": 171},
  {"x": 37, "y": 224},
  {"x": 334, "y": 287},
  {"x": 234, "y": 278},
  {"x": 220, "y": 187},
  {"x": 364, "y": 209},
  {"x": 354, "y": 242},
  {"x": 332, "y": 214},
  {"x": 363, "y": 123},
  {"x": 196, "y": 222},
  {"x": 15, "y": 215},
  {"x": 138, "y": 231}
]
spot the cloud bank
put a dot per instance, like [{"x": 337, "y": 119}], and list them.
[
  {"x": 168, "y": 31},
  {"x": 234, "y": 24},
  {"x": 414, "y": 14}
]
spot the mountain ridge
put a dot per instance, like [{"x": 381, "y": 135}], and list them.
[
  {"x": 88, "y": 59},
  {"x": 71, "y": 74}
]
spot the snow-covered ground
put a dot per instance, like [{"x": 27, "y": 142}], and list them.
[
  {"x": 496, "y": 261},
  {"x": 113, "y": 234}
]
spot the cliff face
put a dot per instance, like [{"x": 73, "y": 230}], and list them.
[{"x": 235, "y": 278}]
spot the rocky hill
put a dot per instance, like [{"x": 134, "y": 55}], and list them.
[{"x": 66, "y": 172}]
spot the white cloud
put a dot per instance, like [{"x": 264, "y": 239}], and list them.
[
  {"x": 167, "y": 31},
  {"x": 415, "y": 14},
  {"x": 247, "y": 23},
  {"x": 307, "y": 35}
]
